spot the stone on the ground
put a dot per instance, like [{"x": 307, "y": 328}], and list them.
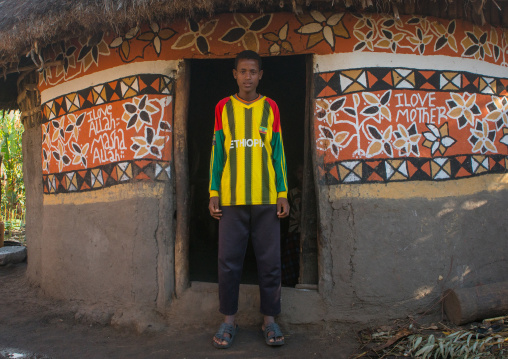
[{"x": 14, "y": 254}]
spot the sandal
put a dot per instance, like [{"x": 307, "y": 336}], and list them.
[
  {"x": 276, "y": 333},
  {"x": 223, "y": 329}
]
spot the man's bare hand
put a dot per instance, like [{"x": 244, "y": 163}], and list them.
[
  {"x": 213, "y": 207},
  {"x": 282, "y": 207}
]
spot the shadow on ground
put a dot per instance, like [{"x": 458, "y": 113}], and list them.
[{"x": 35, "y": 327}]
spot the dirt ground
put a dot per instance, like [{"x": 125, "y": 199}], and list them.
[{"x": 35, "y": 327}]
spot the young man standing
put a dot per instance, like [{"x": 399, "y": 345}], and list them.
[{"x": 248, "y": 195}]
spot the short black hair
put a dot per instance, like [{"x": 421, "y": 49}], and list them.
[{"x": 248, "y": 55}]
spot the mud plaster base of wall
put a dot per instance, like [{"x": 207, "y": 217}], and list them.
[
  {"x": 107, "y": 254},
  {"x": 394, "y": 257}
]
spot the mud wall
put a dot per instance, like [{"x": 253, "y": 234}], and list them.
[
  {"x": 412, "y": 153},
  {"x": 32, "y": 174},
  {"x": 105, "y": 234},
  {"x": 410, "y": 130}
]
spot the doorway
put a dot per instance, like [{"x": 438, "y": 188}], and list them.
[{"x": 284, "y": 80}]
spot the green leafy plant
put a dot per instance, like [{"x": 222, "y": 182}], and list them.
[
  {"x": 13, "y": 188},
  {"x": 460, "y": 344}
]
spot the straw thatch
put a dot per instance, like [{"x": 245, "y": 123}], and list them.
[{"x": 31, "y": 24}]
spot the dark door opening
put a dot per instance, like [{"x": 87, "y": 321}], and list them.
[{"x": 284, "y": 80}]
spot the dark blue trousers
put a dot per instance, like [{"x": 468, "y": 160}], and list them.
[{"x": 264, "y": 227}]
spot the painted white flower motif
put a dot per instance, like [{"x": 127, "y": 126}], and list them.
[
  {"x": 407, "y": 140},
  {"x": 79, "y": 153},
  {"x": 482, "y": 139},
  {"x": 247, "y": 31},
  {"x": 380, "y": 141},
  {"x": 60, "y": 156},
  {"x": 498, "y": 111},
  {"x": 58, "y": 130},
  {"x": 323, "y": 28},
  {"x": 139, "y": 112},
  {"x": 46, "y": 157},
  {"x": 46, "y": 137},
  {"x": 74, "y": 124},
  {"x": 327, "y": 111},
  {"x": 279, "y": 40},
  {"x": 377, "y": 105},
  {"x": 364, "y": 40},
  {"x": 329, "y": 140},
  {"x": 463, "y": 109},
  {"x": 91, "y": 50},
  {"x": 438, "y": 139},
  {"x": 123, "y": 42},
  {"x": 67, "y": 56},
  {"x": 150, "y": 144},
  {"x": 420, "y": 39},
  {"x": 196, "y": 36},
  {"x": 156, "y": 36}
]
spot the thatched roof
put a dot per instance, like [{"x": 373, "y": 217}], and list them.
[{"x": 29, "y": 24}]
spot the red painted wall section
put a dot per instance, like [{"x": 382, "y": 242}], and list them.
[
  {"x": 377, "y": 122},
  {"x": 274, "y": 34}
]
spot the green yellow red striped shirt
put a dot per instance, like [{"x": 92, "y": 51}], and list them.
[{"x": 247, "y": 165}]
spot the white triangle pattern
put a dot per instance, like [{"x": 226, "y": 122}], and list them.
[
  {"x": 404, "y": 85},
  {"x": 389, "y": 170},
  {"x": 362, "y": 79},
  {"x": 457, "y": 81},
  {"x": 352, "y": 177},
  {"x": 345, "y": 82},
  {"x": 474, "y": 165},
  {"x": 350, "y": 165},
  {"x": 443, "y": 81},
  {"x": 403, "y": 168},
  {"x": 442, "y": 175},
  {"x": 440, "y": 161},
  {"x": 403, "y": 72}
]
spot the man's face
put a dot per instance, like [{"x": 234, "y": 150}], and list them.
[{"x": 247, "y": 75}]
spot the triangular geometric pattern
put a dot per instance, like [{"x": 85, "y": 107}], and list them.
[
  {"x": 404, "y": 78},
  {"x": 72, "y": 102},
  {"x": 165, "y": 85},
  {"x": 96, "y": 179},
  {"x": 441, "y": 168},
  {"x": 487, "y": 85},
  {"x": 396, "y": 169},
  {"x": 502, "y": 87},
  {"x": 129, "y": 86},
  {"x": 336, "y": 83},
  {"x": 117, "y": 90},
  {"x": 72, "y": 181},
  {"x": 427, "y": 80},
  {"x": 450, "y": 81},
  {"x": 107, "y": 175},
  {"x": 353, "y": 81},
  {"x": 479, "y": 164},
  {"x": 379, "y": 79},
  {"x": 162, "y": 171},
  {"x": 412, "y": 169},
  {"x": 374, "y": 171},
  {"x": 51, "y": 183},
  {"x": 350, "y": 171},
  {"x": 124, "y": 171}
]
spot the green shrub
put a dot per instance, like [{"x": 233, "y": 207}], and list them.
[{"x": 13, "y": 187}]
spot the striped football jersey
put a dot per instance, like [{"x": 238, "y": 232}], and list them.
[{"x": 247, "y": 165}]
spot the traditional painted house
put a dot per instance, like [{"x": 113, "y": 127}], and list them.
[{"x": 397, "y": 111}]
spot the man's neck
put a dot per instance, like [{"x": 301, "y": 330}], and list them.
[{"x": 247, "y": 96}]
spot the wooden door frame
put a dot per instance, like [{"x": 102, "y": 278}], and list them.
[{"x": 181, "y": 170}]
